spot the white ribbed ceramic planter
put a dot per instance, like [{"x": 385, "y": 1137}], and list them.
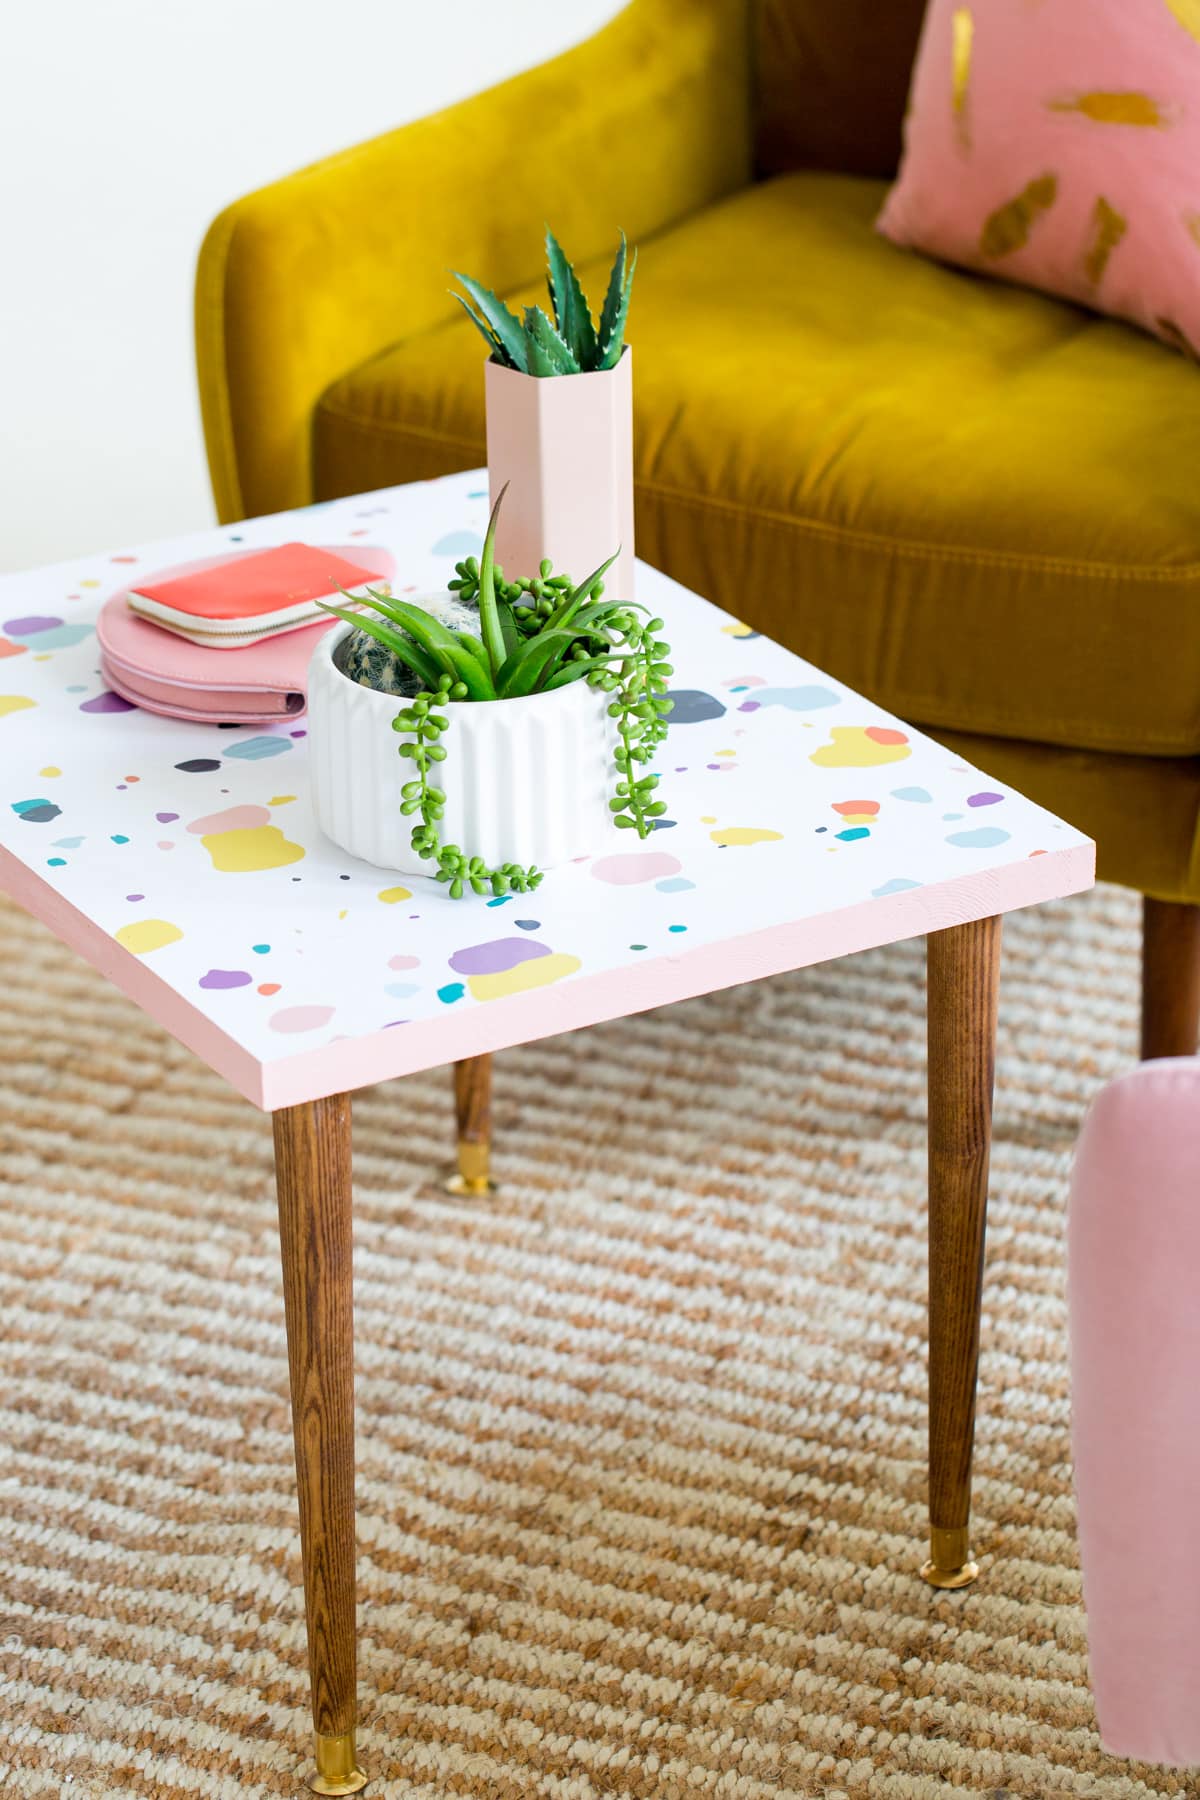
[{"x": 526, "y": 781}]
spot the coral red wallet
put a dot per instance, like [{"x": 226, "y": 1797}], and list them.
[
  {"x": 252, "y": 685},
  {"x": 243, "y": 599}
]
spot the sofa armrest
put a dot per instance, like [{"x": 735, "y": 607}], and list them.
[{"x": 643, "y": 123}]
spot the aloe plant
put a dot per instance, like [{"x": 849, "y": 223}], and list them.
[
  {"x": 502, "y": 663},
  {"x": 535, "y": 635},
  {"x": 569, "y": 343}
]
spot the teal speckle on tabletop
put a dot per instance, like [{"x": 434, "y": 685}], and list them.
[{"x": 985, "y": 837}]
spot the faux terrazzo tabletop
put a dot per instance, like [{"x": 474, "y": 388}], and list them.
[{"x": 802, "y": 823}]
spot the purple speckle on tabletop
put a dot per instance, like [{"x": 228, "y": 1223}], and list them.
[
  {"x": 305, "y": 734},
  {"x": 749, "y": 706},
  {"x": 166, "y": 818},
  {"x": 494, "y": 958},
  {"x": 20, "y": 628},
  {"x": 107, "y": 702},
  {"x": 984, "y": 799},
  {"x": 225, "y": 978},
  {"x": 132, "y": 897}
]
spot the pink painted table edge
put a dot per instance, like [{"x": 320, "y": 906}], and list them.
[{"x": 590, "y": 1000}]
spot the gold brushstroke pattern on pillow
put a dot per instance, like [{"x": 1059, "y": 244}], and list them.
[
  {"x": 1192, "y": 221},
  {"x": 1108, "y": 228},
  {"x": 1008, "y": 228},
  {"x": 1188, "y": 14},
  {"x": 962, "y": 26},
  {"x": 1114, "y": 109}
]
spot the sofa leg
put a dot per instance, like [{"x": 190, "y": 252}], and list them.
[{"x": 1170, "y": 978}]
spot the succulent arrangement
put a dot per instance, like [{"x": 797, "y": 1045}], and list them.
[
  {"x": 569, "y": 343},
  {"x": 535, "y": 635}
]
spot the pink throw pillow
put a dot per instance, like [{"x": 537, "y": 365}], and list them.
[{"x": 1057, "y": 143}]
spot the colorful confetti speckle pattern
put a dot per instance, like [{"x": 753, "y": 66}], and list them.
[{"x": 790, "y": 800}]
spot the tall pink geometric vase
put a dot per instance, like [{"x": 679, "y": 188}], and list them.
[
  {"x": 564, "y": 444},
  {"x": 1133, "y": 1281}
]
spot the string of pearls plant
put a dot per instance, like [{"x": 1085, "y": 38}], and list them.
[{"x": 536, "y": 634}]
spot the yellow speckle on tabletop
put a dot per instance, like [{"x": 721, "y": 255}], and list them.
[
  {"x": 144, "y": 935},
  {"x": 281, "y": 800},
  {"x": 243, "y": 850},
  {"x": 42, "y": 656},
  {"x": 49, "y": 771},
  {"x": 539, "y": 971},
  {"x": 389, "y": 896},
  {"x": 744, "y": 834},
  {"x": 862, "y": 747},
  {"x": 12, "y": 703},
  {"x": 344, "y": 914},
  {"x": 89, "y": 584},
  {"x": 708, "y": 818}
]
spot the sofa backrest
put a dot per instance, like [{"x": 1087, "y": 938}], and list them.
[{"x": 831, "y": 82}]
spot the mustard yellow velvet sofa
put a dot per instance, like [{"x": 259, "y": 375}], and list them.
[{"x": 976, "y": 504}]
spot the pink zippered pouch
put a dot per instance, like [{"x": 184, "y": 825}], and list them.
[{"x": 252, "y": 685}]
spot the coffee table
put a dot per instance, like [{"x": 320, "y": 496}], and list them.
[{"x": 803, "y": 824}]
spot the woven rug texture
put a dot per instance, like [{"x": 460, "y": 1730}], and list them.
[{"x": 641, "y": 1437}]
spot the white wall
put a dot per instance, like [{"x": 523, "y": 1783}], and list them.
[{"x": 125, "y": 125}]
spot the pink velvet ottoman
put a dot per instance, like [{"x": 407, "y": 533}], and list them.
[{"x": 1134, "y": 1290}]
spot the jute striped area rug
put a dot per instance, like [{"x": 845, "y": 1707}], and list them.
[{"x": 641, "y": 1438}]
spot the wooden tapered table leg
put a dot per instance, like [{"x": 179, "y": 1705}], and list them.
[
  {"x": 963, "y": 982},
  {"x": 473, "y": 1116},
  {"x": 312, "y": 1175}
]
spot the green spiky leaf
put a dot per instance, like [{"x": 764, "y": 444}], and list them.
[
  {"x": 489, "y": 607},
  {"x": 495, "y": 347},
  {"x": 562, "y": 615},
  {"x": 572, "y": 671},
  {"x": 545, "y": 344},
  {"x": 508, "y": 629},
  {"x": 612, "y": 322},
  {"x": 572, "y": 314},
  {"x": 410, "y": 654},
  {"x": 473, "y": 645},
  {"x": 520, "y": 672},
  {"x": 613, "y": 297},
  {"x": 504, "y": 324},
  {"x": 440, "y": 644}
]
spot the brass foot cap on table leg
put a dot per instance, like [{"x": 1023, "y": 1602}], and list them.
[
  {"x": 468, "y": 1189},
  {"x": 337, "y": 1765},
  {"x": 472, "y": 1180},
  {"x": 950, "y": 1564}
]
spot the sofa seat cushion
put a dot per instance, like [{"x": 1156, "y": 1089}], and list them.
[{"x": 974, "y": 503}]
